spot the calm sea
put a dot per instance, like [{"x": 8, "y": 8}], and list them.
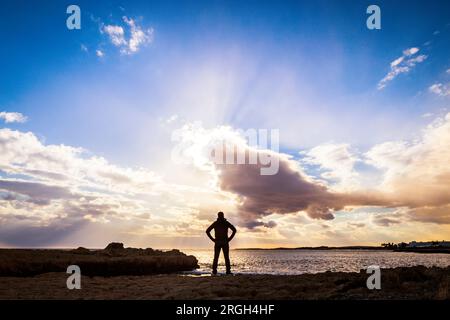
[{"x": 313, "y": 261}]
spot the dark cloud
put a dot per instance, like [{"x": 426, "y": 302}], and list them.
[
  {"x": 25, "y": 235},
  {"x": 356, "y": 225},
  {"x": 385, "y": 221},
  {"x": 254, "y": 224},
  {"x": 439, "y": 215},
  {"x": 38, "y": 193},
  {"x": 288, "y": 191},
  {"x": 46, "y": 174},
  {"x": 9, "y": 196},
  {"x": 115, "y": 177},
  {"x": 96, "y": 210},
  {"x": 420, "y": 184}
]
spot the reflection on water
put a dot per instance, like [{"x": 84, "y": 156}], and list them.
[{"x": 313, "y": 261}]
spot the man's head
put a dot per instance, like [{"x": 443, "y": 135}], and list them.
[{"x": 220, "y": 215}]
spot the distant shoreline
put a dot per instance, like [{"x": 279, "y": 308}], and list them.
[
  {"x": 322, "y": 248},
  {"x": 371, "y": 248},
  {"x": 445, "y": 250}
]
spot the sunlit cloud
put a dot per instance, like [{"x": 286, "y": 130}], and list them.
[
  {"x": 116, "y": 35},
  {"x": 440, "y": 89},
  {"x": 45, "y": 188},
  {"x": 336, "y": 161},
  {"x": 11, "y": 117},
  {"x": 402, "y": 64},
  {"x": 130, "y": 37},
  {"x": 416, "y": 173},
  {"x": 288, "y": 191}
]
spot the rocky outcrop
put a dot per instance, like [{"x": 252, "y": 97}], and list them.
[
  {"x": 114, "y": 260},
  {"x": 114, "y": 246},
  {"x": 81, "y": 250}
]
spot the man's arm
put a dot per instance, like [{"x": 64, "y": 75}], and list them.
[
  {"x": 208, "y": 232},
  {"x": 233, "y": 229}
]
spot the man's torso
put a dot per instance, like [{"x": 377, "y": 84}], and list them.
[{"x": 221, "y": 230}]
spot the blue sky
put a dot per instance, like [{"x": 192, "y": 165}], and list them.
[
  {"x": 323, "y": 46},
  {"x": 309, "y": 68}
]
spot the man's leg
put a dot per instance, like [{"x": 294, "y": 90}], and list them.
[
  {"x": 226, "y": 254},
  {"x": 216, "y": 258}
]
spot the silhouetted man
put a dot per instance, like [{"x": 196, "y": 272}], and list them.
[{"x": 221, "y": 226}]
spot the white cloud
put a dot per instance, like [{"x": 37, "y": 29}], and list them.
[
  {"x": 138, "y": 36},
  {"x": 410, "y": 51},
  {"x": 402, "y": 64},
  {"x": 69, "y": 184},
  {"x": 49, "y": 189},
  {"x": 59, "y": 187},
  {"x": 136, "y": 39},
  {"x": 99, "y": 53},
  {"x": 337, "y": 162},
  {"x": 116, "y": 34},
  {"x": 22, "y": 153},
  {"x": 414, "y": 176},
  {"x": 10, "y": 117},
  {"x": 413, "y": 61},
  {"x": 440, "y": 89},
  {"x": 258, "y": 196},
  {"x": 417, "y": 173},
  {"x": 397, "y": 61}
]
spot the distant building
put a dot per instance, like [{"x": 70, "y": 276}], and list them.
[{"x": 415, "y": 244}]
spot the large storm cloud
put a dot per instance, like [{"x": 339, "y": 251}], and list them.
[{"x": 288, "y": 191}]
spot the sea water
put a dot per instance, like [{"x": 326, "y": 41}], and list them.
[{"x": 314, "y": 261}]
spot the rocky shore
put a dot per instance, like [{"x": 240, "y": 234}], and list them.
[
  {"x": 114, "y": 260},
  {"x": 400, "y": 283}
]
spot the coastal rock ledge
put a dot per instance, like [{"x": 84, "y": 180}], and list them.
[{"x": 114, "y": 260}]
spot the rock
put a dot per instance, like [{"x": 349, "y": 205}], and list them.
[
  {"x": 114, "y": 246},
  {"x": 114, "y": 260},
  {"x": 81, "y": 250},
  {"x": 175, "y": 252}
]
